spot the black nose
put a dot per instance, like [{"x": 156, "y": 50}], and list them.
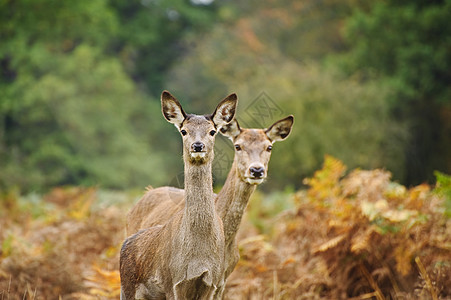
[
  {"x": 257, "y": 172},
  {"x": 198, "y": 147}
]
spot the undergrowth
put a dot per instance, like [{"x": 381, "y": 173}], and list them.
[
  {"x": 358, "y": 236},
  {"x": 59, "y": 246},
  {"x": 354, "y": 236}
]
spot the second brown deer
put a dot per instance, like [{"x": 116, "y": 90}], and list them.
[
  {"x": 250, "y": 168},
  {"x": 183, "y": 258}
]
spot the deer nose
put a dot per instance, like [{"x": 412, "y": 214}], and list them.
[
  {"x": 197, "y": 147},
  {"x": 257, "y": 172}
]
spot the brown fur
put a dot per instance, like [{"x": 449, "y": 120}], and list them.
[
  {"x": 158, "y": 205},
  {"x": 184, "y": 257}
]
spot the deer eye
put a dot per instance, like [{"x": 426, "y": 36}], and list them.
[
  {"x": 237, "y": 147},
  {"x": 212, "y": 133},
  {"x": 269, "y": 148},
  {"x": 183, "y": 132}
]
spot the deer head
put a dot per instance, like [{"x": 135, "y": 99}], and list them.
[
  {"x": 198, "y": 131},
  {"x": 253, "y": 147}
]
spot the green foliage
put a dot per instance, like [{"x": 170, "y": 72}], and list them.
[
  {"x": 406, "y": 46},
  {"x": 74, "y": 124},
  {"x": 413, "y": 43},
  {"x": 68, "y": 111},
  {"x": 333, "y": 115},
  {"x": 79, "y": 83},
  {"x": 443, "y": 188},
  {"x": 149, "y": 38}
]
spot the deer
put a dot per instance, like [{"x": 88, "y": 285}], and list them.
[
  {"x": 182, "y": 258},
  {"x": 249, "y": 168}
]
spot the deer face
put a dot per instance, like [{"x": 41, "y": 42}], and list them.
[
  {"x": 253, "y": 147},
  {"x": 198, "y": 131}
]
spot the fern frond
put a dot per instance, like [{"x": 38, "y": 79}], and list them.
[{"x": 330, "y": 244}]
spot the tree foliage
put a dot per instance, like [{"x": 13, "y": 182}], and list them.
[
  {"x": 406, "y": 45},
  {"x": 333, "y": 114},
  {"x": 150, "y": 37},
  {"x": 79, "y": 84},
  {"x": 69, "y": 113}
]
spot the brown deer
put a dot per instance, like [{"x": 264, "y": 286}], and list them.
[
  {"x": 182, "y": 258},
  {"x": 252, "y": 153}
]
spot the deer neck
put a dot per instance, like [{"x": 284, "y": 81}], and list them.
[
  {"x": 199, "y": 207},
  {"x": 231, "y": 202}
]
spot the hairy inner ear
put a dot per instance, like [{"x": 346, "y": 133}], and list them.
[
  {"x": 225, "y": 111},
  {"x": 280, "y": 130},
  {"x": 172, "y": 110},
  {"x": 231, "y": 130}
]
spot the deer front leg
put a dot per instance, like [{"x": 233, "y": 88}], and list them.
[
  {"x": 219, "y": 292},
  {"x": 232, "y": 259}
]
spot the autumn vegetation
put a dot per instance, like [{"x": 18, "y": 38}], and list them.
[
  {"x": 82, "y": 135},
  {"x": 350, "y": 235}
]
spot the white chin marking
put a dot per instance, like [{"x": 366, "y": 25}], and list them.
[
  {"x": 254, "y": 181},
  {"x": 198, "y": 154}
]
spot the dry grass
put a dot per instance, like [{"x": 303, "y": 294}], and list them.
[
  {"x": 55, "y": 247},
  {"x": 355, "y": 237}
]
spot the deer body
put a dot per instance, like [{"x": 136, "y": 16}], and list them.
[
  {"x": 253, "y": 153},
  {"x": 231, "y": 203},
  {"x": 191, "y": 245},
  {"x": 183, "y": 258}
]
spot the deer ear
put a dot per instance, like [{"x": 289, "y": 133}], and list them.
[
  {"x": 225, "y": 111},
  {"x": 280, "y": 130},
  {"x": 231, "y": 130},
  {"x": 172, "y": 110}
]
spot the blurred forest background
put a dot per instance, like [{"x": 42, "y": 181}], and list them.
[
  {"x": 82, "y": 134},
  {"x": 368, "y": 82}
]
